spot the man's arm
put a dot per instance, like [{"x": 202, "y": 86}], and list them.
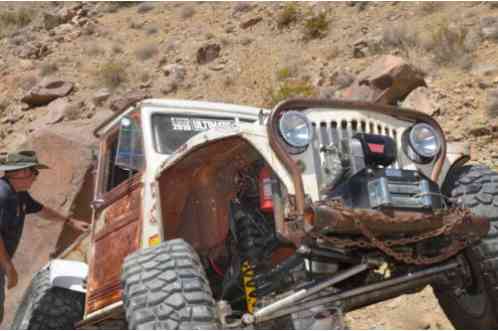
[
  {"x": 52, "y": 215},
  {"x": 7, "y": 266}
]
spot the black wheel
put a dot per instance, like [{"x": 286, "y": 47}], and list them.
[
  {"x": 165, "y": 287},
  {"x": 48, "y": 308},
  {"x": 476, "y": 187}
]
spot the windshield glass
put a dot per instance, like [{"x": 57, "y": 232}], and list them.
[{"x": 170, "y": 131}]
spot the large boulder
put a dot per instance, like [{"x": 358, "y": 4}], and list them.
[
  {"x": 46, "y": 91},
  {"x": 422, "y": 100},
  {"x": 386, "y": 81},
  {"x": 120, "y": 103},
  {"x": 67, "y": 148}
]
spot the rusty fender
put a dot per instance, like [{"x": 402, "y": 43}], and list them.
[{"x": 338, "y": 219}]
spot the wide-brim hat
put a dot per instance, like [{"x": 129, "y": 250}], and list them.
[{"x": 20, "y": 160}]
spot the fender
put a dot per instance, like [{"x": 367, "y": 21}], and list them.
[{"x": 67, "y": 274}]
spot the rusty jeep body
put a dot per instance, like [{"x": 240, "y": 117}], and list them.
[{"x": 211, "y": 215}]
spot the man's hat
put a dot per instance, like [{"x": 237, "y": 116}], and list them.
[{"x": 20, "y": 160}]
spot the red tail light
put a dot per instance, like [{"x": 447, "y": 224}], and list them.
[{"x": 265, "y": 190}]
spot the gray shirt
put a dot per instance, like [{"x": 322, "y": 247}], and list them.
[{"x": 13, "y": 208}]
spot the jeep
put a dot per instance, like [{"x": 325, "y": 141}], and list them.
[{"x": 210, "y": 215}]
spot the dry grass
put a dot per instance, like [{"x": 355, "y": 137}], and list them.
[
  {"x": 48, "y": 68},
  {"x": 13, "y": 20},
  {"x": 447, "y": 43},
  {"x": 401, "y": 36},
  {"x": 146, "y": 52},
  {"x": 151, "y": 30},
  {"x": 287, "y": 15},
  {"x": 316, "y": 26},
  {"x": 93, "y": 50},
  {"x": 27, "y": 82},
  {"x": 117, "y": 49},
  {"x": 112, "y": 74},
  {"x": 492, "y": 103}
]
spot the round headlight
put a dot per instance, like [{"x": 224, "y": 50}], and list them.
[
  {"x": 424, "y": 140},
  {"x": 295, "y": 129}
]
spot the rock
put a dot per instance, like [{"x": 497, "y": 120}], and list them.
[
  {"x": 341, "y": 79},
  {"x": 245, "y": 41},
  {"x": 489, "y": 27},
  {"x": 119, "y": 104},
  {"x": 46, "y": 91},
  {"x": 327, "y": 92},
  {"x": 485, "y": 69},
  {"x": 208, "y": 53},
  {"x": 100, "y": 96},
  {"x": 176, "y": 71},
  {"x": 56, "y": 111},
  {"x": 167, "y": 86},
  {"x": 32, "y": 50},
  {"x": 63, "y": 29},
  {"x": 250, "y": 22},
  {"x": 421, "y": 99},
  {"x": 242, "y": 7},
  {"x": 386, "y": 81}
]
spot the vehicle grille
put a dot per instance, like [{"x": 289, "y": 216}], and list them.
[{"x": 332, "y": 132}]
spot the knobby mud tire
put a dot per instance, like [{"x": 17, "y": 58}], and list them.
[
  {"x": 48, "y": 308},
  {"x": 165, "y": 287},
  {"x": 476, "y": 187}
]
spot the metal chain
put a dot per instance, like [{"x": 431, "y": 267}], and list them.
[{"x": 455, "y": 247}]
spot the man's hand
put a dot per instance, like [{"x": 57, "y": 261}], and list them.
[
  {"x": 78, "y": 225},
  {"x": 11, "y": 273}
]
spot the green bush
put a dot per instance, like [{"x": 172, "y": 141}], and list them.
[
  {"x": 290, "y": 89},
  {"x": 316, "y": 26}
]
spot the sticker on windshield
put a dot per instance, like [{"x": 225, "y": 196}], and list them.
[{"x": 199, "y": 124}]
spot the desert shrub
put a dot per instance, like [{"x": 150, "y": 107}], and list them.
[
  {"x": 136, "y": 25},
  {"x": 144, "y": 8},
  {"x": 289, "y": 89},
  {"x": 400, "y": 35},
  {"x": 316, "y": 26},
  {"x": 3, "y": 104},
  {"x": 112, "y": 74},
  {"x": 48, "y": 68},
  {"x": 146, "y": 52},
  {"x": 187, "y": 12},
  {"x": 492, "y": 103},
  {"x": 93, "y": 50},
  {"x": 447, "y": 43},
  {"x": 429, "y": 7},
  {"x": 287, "y": 15},
  {"x": 151, "y": 30},
  {"x": 12, "y": 20}
]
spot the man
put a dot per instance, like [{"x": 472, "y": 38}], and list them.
[{"x": 21, "y": 170}]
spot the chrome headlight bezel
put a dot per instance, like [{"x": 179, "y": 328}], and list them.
[
  {"x": 290, "y": 132},
  {"x": 414, "y": 146}
]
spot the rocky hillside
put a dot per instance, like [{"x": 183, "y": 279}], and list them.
[{"x": 65, "y": 66}]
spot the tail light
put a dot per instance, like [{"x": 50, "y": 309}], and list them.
[{"x": 265, "y": 190}]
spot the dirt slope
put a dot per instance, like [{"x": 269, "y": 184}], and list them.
[{"x": 257, "y": 54}]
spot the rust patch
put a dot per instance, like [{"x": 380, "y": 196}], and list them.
[{"x": 195, "y": 193}]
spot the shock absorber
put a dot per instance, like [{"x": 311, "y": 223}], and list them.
[{"x": 254, "y": 236}]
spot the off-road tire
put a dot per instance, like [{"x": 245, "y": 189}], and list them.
[
  {"x": 48, "y": 308},
  {"x": 476, "y": 187},
  {"x": 165, "y": 287}
]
